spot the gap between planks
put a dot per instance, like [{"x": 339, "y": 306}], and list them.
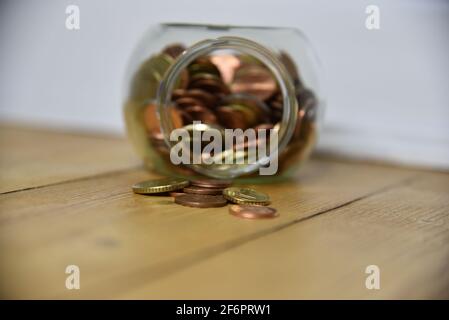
[{"x": 89, "y": 177}]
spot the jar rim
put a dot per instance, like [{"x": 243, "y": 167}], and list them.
[
  {"x": 264, "y": 55},
  {"x": 225, "y": 26}
]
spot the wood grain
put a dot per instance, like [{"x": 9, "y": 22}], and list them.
[
  {"x": 403, "y": 230},
  {"x": 335, "y": 218},
  {"x": 32, "y": 157}
]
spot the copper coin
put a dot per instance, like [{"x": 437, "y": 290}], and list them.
[
  {"x": 211, "y": 183},
  {"x": 231, "y": 118},
  {"x": 212, "y": 86},
  {"x": 202, "y": 190},
  {"x": 276, "y": 116},
  {"x": 201, "y": 113},
  {"x": 176, "y": 117},
  {"x": 209, "y": 83},
  {"x": 186, "y": 118},
  {"x": 208, "y": 99},
  {"x": 150, "y": 119},
  {"x": 176, "y": 193},
  {"x": 178, "y": 93},
  {"x": 252, "y": 212},
  {"x": 290, "y": 66},
  {"x": 157, "y": 138},
  {"x": 174, "y": 50},
  {"x": 251, "y": 103},
  {"x": 200, "y": 201},
  {"x": 185, "y": 102},
  {"x": 278, "y": 97},
  {"x": 255, "y": 80},
  {"x": 183, "y": 80},
  {"x": 279, "y": 105},
  {"x": 227, "y": 64}
]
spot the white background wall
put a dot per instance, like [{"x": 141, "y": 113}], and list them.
[{"x": 388, "y": 90}]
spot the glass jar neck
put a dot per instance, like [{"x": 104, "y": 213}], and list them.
[{"x": 248, "y": 47}]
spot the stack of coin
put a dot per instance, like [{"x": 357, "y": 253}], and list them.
[
  {"x": 223, "y": 90},
  {"x": 207, "y": 187},
  {"x": 246, "y": 196},
  {"x": 209, "y": 193}
]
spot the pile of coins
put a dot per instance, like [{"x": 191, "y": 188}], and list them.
[
  {"x": 222, "y": 90},
  {"x": 208, "y": 193}
]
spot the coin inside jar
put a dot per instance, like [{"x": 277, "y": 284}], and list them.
[
  {"x": 252, "y": 212},
  {"x": 174, "y": 50},
  {"x": 224, "y": 89},
  {"x": 200, "y": 201},
  {"x": 227, "y": 64},
  {"x": 255, "y": 80}
]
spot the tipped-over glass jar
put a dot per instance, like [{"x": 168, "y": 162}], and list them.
[{"x": 223, "y": 101}]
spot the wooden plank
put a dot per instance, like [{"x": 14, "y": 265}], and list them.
[
  {"x": 32, "y": 157},
  {"x": 122, "y": 241},
  {"x": 404, "y": 230}
]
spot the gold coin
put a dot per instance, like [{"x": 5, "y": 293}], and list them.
[
  {"x": 204, "y": 66},
  {"x": 245, "y": 196},
  {"x": 146, "y": 80},
  {"x": 161, "y": 63},
  {"x": 160, "y": 185}
]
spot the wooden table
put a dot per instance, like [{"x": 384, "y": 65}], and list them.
[{"x": 66, "y": 199}]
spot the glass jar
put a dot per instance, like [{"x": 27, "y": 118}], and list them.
[{"x": 224, "y": 77}]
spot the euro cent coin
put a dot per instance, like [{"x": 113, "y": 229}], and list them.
[
  {"x": 200, "y": 201},
  {"x": 160, "y": 185},
  {"x": 246, "y": 196},
  {"x": 252, "y": 212}
]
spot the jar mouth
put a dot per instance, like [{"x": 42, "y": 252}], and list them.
[{"x": 261, "y": 53}]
